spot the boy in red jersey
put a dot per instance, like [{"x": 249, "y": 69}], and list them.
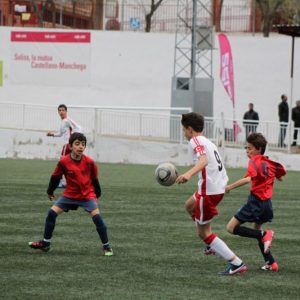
[
  {"x": 262, "y": 173},
  {"x": 82, "y": 190},
  {"x": 212, "y": 181}
]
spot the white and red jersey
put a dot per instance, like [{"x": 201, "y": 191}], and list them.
[
  {"x": 213, "y": 178},
  {"x": 67, "y": 127}
]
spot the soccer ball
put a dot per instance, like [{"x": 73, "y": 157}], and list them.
[{"x": 166, "y": 174}]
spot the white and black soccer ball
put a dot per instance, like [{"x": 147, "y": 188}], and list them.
[{"x": 166, "y": 174}]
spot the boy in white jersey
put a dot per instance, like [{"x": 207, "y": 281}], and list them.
[
  {"x": 67, "y": 127},
  {"x": 202, "y": 206}
]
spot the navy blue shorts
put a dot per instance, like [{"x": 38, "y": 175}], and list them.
[
  {"x": 67, "y": 204},
  {"x": 255, "y": 210}
]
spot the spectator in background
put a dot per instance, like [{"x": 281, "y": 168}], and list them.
[
  {"x": 296, "y": 119},
  {"x": 250, "y": 120},
  {"x": 283, "y": 112}
]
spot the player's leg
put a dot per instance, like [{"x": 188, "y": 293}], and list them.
[
  {"x": 206, "y": 210},
  {"x": 102, "y": 231},
  {"x": 44, "y": 244},
  {"x": 190, "y": 206},
  {"x": 236, "y": 265},
  {"x": 255, "y": 210},
  {"x": 270, "y": 263},
  {"x": 234, "y": 227}
]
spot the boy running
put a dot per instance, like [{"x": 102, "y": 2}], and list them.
[
  {"x": 261, "y": 173},
  {"x": 83, "y": 189},
  {"x": 202, "y": 206}
]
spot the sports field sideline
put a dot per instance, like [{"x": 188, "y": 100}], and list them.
[{"x": 157, "y": 253}]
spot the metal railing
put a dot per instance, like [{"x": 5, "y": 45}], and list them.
[{"x": 148, "y": 123}]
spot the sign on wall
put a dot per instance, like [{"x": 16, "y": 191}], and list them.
[{"x": 50, "y": 58}]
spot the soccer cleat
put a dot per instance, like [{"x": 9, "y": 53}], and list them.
[
  {"x": 267, "y": 240},
  {"x": 209, "y": 251},
  {"x": 107, "y": 251},
  {"x": 232, "y": 270},
  {"x": 273, "y": 267},
  {"x": 40, "y": 245}
]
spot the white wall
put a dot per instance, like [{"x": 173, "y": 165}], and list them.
[
  {"x": 135, "y": 69},
  {"x": 35, "y": 145}
]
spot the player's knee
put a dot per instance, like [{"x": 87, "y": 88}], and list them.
[
  {"x": 52, "y": 215},
  {"x": 98, "y": 221},
  {"x": 189, "y": 208},
  {"x": 230, "y": 228}
]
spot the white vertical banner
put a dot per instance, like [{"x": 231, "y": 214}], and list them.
[{"x": 50, "y": 58}]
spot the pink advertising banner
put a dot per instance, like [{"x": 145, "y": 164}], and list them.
[
  {"x": 226, "y": 75},
  {"x": 226, "y": 70}
]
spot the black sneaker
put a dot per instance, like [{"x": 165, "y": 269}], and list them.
[
  {"x": 44, "y": 246},
  {"x": 232, "y": 270}
]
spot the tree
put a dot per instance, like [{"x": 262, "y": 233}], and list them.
[
  {"x": 218, "y": 14},
  {"x": 148, "y": 18},
  {"x": 290, "y": 12},
  {"x": 98, "y": 14},
  {"x": 40, "y": 10},
  {"x": 268, "y": 9}
]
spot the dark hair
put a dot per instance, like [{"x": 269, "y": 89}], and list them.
[
  {"x": 258, "y": 141},
  {"x": 77, "y": 136},
  {"x": 62, "y": 106},
  {"x": 194, "y": 120},
  {"x": 283, "y": 96}
]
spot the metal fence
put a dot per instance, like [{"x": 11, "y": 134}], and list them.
[
  {"x": 127, "y": 15},
  {"x": 148, "y": 124}
]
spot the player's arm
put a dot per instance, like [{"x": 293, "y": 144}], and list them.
[
  {"x": 54, "y": 180},
  {"x": 53, "y": 184},
  {"x": 280, "y": 178},
  {"x": 201, "y": 164},
  {"x": 97, "y": 187},
  {"x": 95, "y": 180},
  {"x": 238, "y": 183},
  {"x": 64, "y": 127}
]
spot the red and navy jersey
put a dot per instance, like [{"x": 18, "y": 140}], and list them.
[
  {"x": 80, "y": 176},
  {"x": 263, "y": 172}
]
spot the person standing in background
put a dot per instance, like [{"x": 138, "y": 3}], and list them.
[
  {"x": 283, "y": 112},
  {"x": 67, "y": 127},
  {"x": 250, "y": 120},
  {"x": 296, "y": 119}
]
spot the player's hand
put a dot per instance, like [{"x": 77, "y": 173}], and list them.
[
  {"x": 227, "y": 190},
  {"x": 182, "y": 179},
  {"x": 50, "y": 133},
  {"x": 51, "y": 197}
]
